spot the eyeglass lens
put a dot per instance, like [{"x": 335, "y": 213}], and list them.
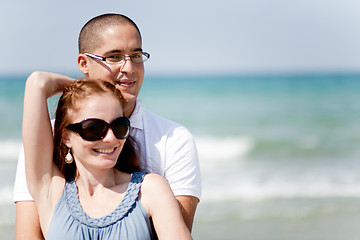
[{"x": 96, "y": 129}]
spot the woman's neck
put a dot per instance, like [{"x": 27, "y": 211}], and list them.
[{"x": 91, "y": 182}]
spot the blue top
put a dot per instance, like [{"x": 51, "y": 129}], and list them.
[{"x": 128, "y": 221}]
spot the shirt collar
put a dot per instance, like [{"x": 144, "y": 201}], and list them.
[{"x": 136, "y": 116}]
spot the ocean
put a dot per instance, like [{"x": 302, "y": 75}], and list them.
[{"x": 279, "y": 154}]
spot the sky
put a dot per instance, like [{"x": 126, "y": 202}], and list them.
[{"x": 191, "y": 36}]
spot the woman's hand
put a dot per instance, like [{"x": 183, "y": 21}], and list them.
[{"x": 50, "y": 84}]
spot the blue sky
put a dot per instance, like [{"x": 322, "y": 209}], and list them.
[{"x": 212, "y": 37}]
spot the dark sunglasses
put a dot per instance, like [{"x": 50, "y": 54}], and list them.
[{"x": 94, "y": 129}]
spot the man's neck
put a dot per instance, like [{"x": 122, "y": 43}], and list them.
[{"x": 129, "y": 108}]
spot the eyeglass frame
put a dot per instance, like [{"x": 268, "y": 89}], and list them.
[{"x": 101, "y": 58}]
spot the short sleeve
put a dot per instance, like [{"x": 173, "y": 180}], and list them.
[
  {"x": 21, "y": 191},
  {"x": 182, "y": 169}
]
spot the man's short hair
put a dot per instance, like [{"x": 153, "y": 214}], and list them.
[{"x": 90, "y": 35}]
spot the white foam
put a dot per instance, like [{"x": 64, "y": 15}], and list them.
[
  {"x": 228, "y": 148},
  {"x": 9, "y": 149},
  {"x": 6, "y": 195},
  {"x": 258, "y": 188},
  {"x": 228, "y": 173}
]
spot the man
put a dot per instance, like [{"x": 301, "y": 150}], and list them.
[{"x": 110, "y": 48}]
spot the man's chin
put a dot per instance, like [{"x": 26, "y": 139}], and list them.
[
  {"x": 129, "y": 106},
  {"x": 129, "y": 97}
]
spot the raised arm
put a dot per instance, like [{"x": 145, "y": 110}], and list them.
[
  {"x": 159, "y": 200},
  {"x": 36, "y": 131}
]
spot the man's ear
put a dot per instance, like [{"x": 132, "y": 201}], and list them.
[{"x": 82, "y": 61}]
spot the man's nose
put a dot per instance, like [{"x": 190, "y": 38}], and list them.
[{"x": 127, "y": 65}]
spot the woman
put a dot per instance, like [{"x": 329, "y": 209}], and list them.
[{"x": 81, "y": 181}]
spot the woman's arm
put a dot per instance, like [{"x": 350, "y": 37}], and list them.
[
  {"x": 38, "y": 146},
  {"x": 163, "y": 208},
  {"x": 36, "y": 130}
]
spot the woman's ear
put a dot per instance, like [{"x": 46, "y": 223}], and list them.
[
  {"x": 82, "y": 61},
  {"x": 66, "y": 139}
]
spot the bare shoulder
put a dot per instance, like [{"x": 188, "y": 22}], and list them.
[
  {"x": 153, "y": 177},
  {"x": 156, "y": 194},
  {"x": 155, "y": 186},
  {"x": 153, "y": 182}
]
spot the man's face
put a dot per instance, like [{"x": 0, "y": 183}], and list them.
[{"x": 128, "y": 76}]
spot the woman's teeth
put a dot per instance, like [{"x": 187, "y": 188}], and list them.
[{"x": 105, "y": 151}]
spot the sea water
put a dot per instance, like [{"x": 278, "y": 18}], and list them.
[{"x": 279, "y": 154}]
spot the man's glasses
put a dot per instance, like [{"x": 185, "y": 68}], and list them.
[
  {"x": 94, "y": 129},
  {"x": 119, "y": 58}
]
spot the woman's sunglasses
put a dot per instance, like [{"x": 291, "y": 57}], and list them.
[{"x": 94, "y": 129}]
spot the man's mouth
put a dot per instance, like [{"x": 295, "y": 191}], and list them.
[{"x": 126, "y": 84}]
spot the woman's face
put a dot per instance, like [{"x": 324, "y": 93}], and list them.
[{"x": 101, "y": 154}]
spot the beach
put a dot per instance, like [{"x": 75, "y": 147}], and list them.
[{"x": 279, "y": 153}]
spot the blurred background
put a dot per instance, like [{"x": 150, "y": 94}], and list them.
[{"x": 270, "y": 91}]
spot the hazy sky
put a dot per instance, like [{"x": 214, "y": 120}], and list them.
[{"x": 191, "y": 36}]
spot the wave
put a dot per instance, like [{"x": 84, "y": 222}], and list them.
[
  {"x": 6, "y": 195},
  {"x": 211, "y": 148},
  {"x": 9, "y": 149},
  {"x": 247, "y": 185},
  {"x": 231, "y": 171}
]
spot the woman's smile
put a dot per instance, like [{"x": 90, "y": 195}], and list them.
[{"x": 105, "y": 151}]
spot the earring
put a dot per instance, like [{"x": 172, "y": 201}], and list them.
[{"x": 68, "y": 157}]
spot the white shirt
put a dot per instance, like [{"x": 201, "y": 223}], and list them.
[{"x": 169, "y": 151}]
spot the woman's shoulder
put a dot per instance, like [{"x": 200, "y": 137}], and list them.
[
  {"x": 154, "y": 184},
  {"x": 156, "y": 194},
  {"x": 154, "y": 179}
]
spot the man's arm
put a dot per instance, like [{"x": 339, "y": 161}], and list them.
[
  {"x": 188, "y": 206},
  {"x": 183, "y": 173},
  {"x": 27, "y": 222}
]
